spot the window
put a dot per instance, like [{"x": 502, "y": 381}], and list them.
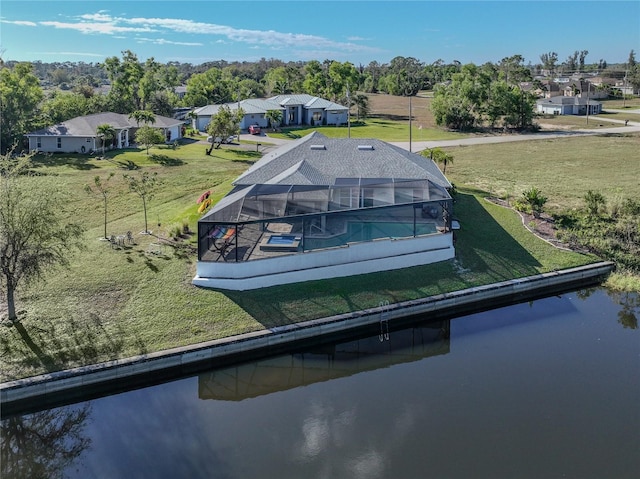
[
  {"x": 317, "y": 115},
  {"x": 59, "y": 142},
  {"x": 39, "y": 142}
]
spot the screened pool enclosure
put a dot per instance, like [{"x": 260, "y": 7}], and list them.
[{"x": 272, "y": 220}]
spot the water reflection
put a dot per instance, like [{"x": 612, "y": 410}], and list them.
[
  {"x": 43, "y": 444},
  {"x": 548, "y": 388},
  {"x": 325, "y": 363}
]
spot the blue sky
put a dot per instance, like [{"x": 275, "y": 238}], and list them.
[{"x": 196, "y": 31}]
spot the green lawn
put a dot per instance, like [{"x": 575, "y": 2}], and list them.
[
  {"x": 564, "y": 169},
  {"x": 114, "y": 303},
  {"x": 386, "y": 130}
]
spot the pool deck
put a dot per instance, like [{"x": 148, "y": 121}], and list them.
[{"x": 66, "y": 387}]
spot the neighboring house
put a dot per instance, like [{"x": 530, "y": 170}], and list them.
[
  {"x": 79, "y": 135},
  {"x": 305, "y": 109},
  {"x": 323, "y": 207},
  {"x": 296, "y": 110},
  {"x": 568, "y": 105},
  {"x": 550, "y": 89}
]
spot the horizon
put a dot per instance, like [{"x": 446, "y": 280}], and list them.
[{"x": 365, "y": 31}]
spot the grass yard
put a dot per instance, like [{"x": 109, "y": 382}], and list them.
[
  {"x": 114, "y": 303},
  {"x": 388, "y": 121},
  {"x": 564, "y": 169}
]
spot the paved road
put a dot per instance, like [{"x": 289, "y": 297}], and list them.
[
  {"x": 544, "y": 135},
  {"x": 633, "y": 126}
]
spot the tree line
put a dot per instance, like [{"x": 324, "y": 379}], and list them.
[{"x": 35, "y": 95}]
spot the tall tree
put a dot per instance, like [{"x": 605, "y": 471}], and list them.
[
  {"x": 20, "y": 94},
  {"x": 62, "y": 106},
  {"x": 143, "y": 185},
  {"x": 581, "y": 58},
  {"x": 124, "y": 76},
  {"x": 34, "y": 233},
  {"x": 361, "y": 101},
  {"x": 207, "y": 88},
  {"x": 549, "y": 61},
  {"x": 222, "y": 125}
]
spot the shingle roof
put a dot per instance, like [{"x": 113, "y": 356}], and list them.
[
  {"x": 318, "y": 160},
  {"x": 259, "y": 105},
  {"x": 87, "y": 125},
  {"x": 308, "y": 101},
  {"x": 566, "y": 100}
]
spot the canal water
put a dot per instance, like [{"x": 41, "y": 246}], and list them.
[{"x": 545, "y": 389}]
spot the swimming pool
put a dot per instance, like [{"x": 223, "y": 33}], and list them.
[{"x": 368, "y": 231}]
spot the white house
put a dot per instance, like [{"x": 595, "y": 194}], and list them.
[
  {"x": 79, "y": 135},
  {"x": 296, "y": 110},
  {"x": 568, "y": 105},
  {"x": 323, "y": 207}
]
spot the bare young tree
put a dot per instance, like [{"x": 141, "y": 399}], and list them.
[
  {"x": 100, "y": 187},
  {"x": 144, "y": 186},
  {"x": 35, "y": 234}
]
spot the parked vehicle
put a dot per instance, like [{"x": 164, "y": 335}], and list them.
[{"x": 254, "y": 129}]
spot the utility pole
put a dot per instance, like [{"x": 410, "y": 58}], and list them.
[
  {"x": 588, "y": 88},
  {"x": 348, "y": 112},
  {"x": 624, "y": 89},
  {"x": 410, "y": 123}
]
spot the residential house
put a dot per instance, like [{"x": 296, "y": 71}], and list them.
[
  {"x": 79, "y": 135},
  {"x": 568, "y": 105},
  {"x": 296, "y": 110},
  {"x": 323, "y": 207}
]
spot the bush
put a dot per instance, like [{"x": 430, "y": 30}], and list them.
[
  {"x": 535, "y": 199},
  {"x": 594, "y": 202}
]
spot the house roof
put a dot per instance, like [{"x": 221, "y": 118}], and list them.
[
  {"x": 308, "y": 170},
  {"x": 87, "y": 125},
  {"x": 308, "y": 101},
  {"x": 261, "y": 105},
  {"x": 566, "y": 100},
  {"x": 250, "y": 106},
  {"x": 318, "y": 160}
]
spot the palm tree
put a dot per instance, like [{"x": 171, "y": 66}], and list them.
[
  {"x": 274, "y": 117},
  {"x": 105, "y": 132},
  {"x": 145, "y": 116},
  {"x": 439, "y": 156}
]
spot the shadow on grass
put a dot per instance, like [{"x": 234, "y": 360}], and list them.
[
  {"x": 77, "y": 162},
  {"x": 483, "y": 246},
  {"x": 48, "y": 346},
  {"x": 485, "y": 253},
  {"x": 165, "y": 160},
  {"x": 248, "y": 154}
]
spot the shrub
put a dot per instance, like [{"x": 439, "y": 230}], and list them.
[
  {"x": 594, "y": 202},
  {"x": 536, "y": 200}
]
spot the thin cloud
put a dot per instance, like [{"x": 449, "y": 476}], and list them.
[
  {"x": 23, "y": 23},
  {"x": 103, "y": 23},
  {"x": 76, "y": 54},
  {"x": 95, "y": 27},
  {"x": 162, "y": 41}
]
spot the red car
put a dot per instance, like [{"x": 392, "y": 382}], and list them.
[{"x": 254, "y": 129}]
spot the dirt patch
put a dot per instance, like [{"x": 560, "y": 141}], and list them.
[{"x": 396, "y": 108}]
